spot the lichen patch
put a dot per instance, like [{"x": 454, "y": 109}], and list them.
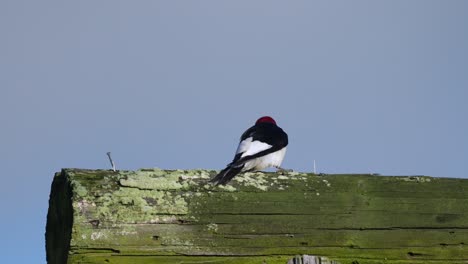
[
  {"x": 151, "y": 181},
  {"x": 254, "y": 179}
]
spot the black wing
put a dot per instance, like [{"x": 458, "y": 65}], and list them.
[{"x": 265, "y": 132}]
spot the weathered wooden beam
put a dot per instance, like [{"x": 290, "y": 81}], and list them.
[{"x": 176, "y": 216}]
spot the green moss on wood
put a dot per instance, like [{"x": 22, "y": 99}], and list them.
[{"x": 162, "y": 216}]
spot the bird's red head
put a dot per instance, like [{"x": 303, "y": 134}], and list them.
[{"x": 265, "y": 119}]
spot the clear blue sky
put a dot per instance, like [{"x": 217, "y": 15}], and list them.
[{"x": 360, "y": 87}]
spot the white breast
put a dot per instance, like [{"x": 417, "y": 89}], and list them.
[{"x": 271, "y": 160}]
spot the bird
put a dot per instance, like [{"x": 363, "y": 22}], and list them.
[{"x": 261, "y": 146}]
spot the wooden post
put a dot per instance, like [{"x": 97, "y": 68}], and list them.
[{"x": 163, "y": 216}]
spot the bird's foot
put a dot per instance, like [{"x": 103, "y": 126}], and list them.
[{"x": 282, "y": 170}]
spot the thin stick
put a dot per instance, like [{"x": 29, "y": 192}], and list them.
[
  {"x": 315, "y": 172},
  {"x": 111, "y": 161}
]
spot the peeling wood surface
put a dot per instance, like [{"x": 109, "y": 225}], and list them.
[{"x": 162, "y": 216}]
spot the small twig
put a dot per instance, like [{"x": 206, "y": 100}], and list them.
[{"x": 111, "y": 161}]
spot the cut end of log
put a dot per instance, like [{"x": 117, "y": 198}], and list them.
[{"x": 59, "y": 220}]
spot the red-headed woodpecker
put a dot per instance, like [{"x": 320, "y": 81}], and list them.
[{"x": 261, "y": 146}]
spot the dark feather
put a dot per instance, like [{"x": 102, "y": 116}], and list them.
[
  {"x": 226, "y": 175},
  {"x": 268, "y": 133}
]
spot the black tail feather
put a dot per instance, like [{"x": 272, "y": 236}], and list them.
[{"x": 226, "y": 175}]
